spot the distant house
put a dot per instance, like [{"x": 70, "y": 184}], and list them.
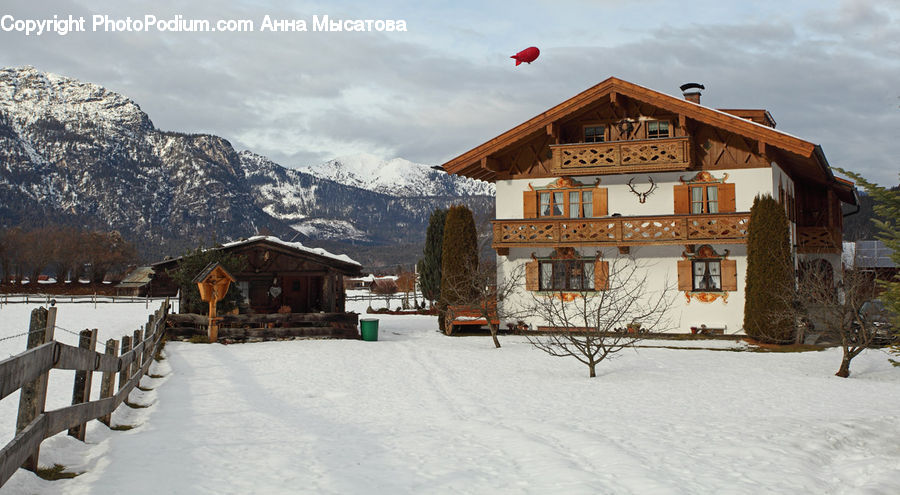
[
  {"x": 370, "y": 282},
  {"x": 871, "y": 256},
  {"x": 136, "y": 283},
  {"x": 278, "y": 276}
]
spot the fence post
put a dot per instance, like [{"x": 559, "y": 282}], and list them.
[
  {"x": 108, "y": 382},
  {"x": 125, "y": 372},
  {"x": 81, "y": 391},
  {"x": 138, "y": 359},
  {"x": 33, "y": 396},
  {"x": 150, "y": 331}
]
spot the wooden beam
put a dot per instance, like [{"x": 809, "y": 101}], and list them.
[{"x": 490, "y": 163}]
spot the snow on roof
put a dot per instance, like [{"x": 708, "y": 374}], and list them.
[{"x": 294, "y": 245}]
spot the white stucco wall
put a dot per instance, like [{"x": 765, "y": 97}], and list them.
[
  {"x": 661, "y": 266},
  {"x": 780, "y": 177},
  {"x": 659, "y": 261},
  {"x": 749, "y": 183}
]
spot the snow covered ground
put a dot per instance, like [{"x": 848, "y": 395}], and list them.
[{"x": 418, "y": 412}]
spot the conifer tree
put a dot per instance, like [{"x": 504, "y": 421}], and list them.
[
  {"x": 192, "y": 263},
  {"x": 887, "y": 207},
  {"x": 770, "y": 274},
  {"x": 459, "y": 258},
  {"x": 430, "y": 265}
]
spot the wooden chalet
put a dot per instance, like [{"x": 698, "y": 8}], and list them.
[
  {"x": 279, "y": 276},
  {"x": 297, "y": 289},
  {"x": 620, "y": 168}
]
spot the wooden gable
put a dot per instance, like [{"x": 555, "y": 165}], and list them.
[{"x": 718, "y": 139}]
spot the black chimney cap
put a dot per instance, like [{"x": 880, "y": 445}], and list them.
[{"x": 687, "y": 86}]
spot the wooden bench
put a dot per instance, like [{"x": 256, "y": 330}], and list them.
[{"x": 468, "y": 316}]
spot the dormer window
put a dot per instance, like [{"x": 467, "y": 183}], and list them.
[
  {"x": 594, "y": 133},
  {"x": 657, "y": 129}
]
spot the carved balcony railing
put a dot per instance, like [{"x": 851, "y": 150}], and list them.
[
  {"x": 818, "y": 240},
  {"x": 614, "y": 157},
  {"x": 721, "y": 228}
]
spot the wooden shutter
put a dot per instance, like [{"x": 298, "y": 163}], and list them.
[
  {"x": 682, "y": 200},
  {"x": 729, "y": 275},
  {"x": 726, "y": 198},
  {"x": 601, "y": 202},
  {"x": 685, "y": 274},
  {"x": 532, "y": 275},
  {"x": 530, "y": 204},
  {"x": 601, "y": 275}
]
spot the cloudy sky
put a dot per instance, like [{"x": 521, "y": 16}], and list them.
[{"x": 828, "y": 71}]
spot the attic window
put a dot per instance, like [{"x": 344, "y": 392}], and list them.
[
  {"x": 594, "y": 133},
  {"x": 657, "y": 129}
]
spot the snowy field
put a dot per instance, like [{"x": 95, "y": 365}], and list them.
[{"x": 418, "y": 412}]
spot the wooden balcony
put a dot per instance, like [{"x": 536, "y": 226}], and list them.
[
  {"x": 818, "y": 240},
  {"x": 721, "y": 228},
  {"x": 617, "y": 157}
]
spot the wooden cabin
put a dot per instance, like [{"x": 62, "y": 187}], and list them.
[{"x": 279, "y": 276}]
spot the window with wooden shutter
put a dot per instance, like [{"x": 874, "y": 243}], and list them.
[
  {"x": 575, "y": 201},
  {"x": 706, "y": 275},
  {"x": 729, "y": 275},
  {"x": 530, "y": 204},
  {"x": 532, "y": 275},
  {"x": 704, "y": 194},
  {"x": 601, "y": 275},
  {"x": 685, "y": 275}
]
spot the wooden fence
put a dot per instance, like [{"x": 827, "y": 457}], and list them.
[
  {"x": 29, "y": 371},
  {"x": 73, "y": 299}
]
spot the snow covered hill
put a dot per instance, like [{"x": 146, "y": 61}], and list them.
[
  {"x": 76, "y": 153},
  {"x": 397, "y": 177}
]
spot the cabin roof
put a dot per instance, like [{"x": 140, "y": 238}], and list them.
[
  {"x": 803, "y": 153},
  {"x": 341, "y": 262},
  {"x": 138, "y": 277}
]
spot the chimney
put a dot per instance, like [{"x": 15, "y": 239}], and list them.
[{"x": 691, "y": 91}]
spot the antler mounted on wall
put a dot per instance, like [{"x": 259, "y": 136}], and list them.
[{"x": 642, "y": 196}]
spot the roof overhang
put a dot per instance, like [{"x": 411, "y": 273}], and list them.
[{"x": 475, "y": 163}]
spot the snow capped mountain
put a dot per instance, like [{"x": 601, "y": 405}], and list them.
[
  {"x": 76, "y": 153},
  {"x": 397, "y": 177}
]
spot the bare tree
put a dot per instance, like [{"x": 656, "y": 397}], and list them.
[
  {"x": 385, "y": 288},
  {"x": 482, "y": 294},
  {"x": 12, "y": 254},
  {"x": 593, "y": 325},
  {"x": 39, "y": 252},
  {"x": 833, "y": 303},
  {"x": 68, "y": 253}
]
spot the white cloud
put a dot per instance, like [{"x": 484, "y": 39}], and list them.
[{"x": 826, "y": 70}]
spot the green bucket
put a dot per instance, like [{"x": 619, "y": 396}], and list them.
[{"x": 368, "y": 328}]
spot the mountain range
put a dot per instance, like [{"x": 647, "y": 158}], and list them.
[{"x": 75, "y": 153}]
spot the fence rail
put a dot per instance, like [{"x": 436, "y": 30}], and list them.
[
  {"x": 73, "y": 299},
  {"x": 29, "y": 372}
]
